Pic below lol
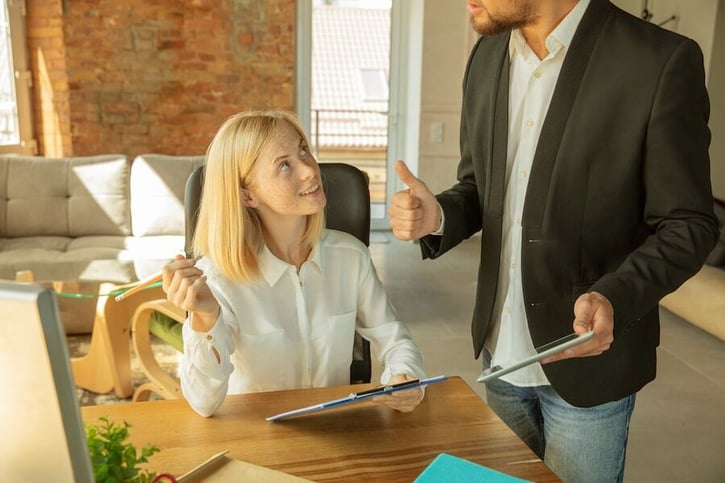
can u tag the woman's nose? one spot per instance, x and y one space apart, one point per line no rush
308 167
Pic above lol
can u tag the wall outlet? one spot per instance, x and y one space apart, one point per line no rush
436 134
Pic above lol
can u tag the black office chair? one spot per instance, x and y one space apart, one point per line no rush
348 209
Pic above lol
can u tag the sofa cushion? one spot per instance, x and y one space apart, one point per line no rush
150 253
119 259
701 300
157 188
56 258
77 196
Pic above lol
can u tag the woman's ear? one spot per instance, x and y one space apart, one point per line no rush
248 198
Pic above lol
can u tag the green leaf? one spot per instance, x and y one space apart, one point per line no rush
115 460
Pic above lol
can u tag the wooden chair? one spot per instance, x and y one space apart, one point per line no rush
106 366
348 209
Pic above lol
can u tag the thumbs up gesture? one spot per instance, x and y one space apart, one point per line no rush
414 212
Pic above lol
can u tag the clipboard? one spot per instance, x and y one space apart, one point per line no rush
542 352
358 396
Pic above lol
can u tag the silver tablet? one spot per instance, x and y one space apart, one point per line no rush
546 350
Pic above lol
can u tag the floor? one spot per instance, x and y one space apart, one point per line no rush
678 428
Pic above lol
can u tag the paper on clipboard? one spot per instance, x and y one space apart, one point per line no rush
547 350
358 396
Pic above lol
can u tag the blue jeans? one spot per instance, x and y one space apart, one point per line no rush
580 445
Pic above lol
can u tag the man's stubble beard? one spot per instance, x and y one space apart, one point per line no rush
522 15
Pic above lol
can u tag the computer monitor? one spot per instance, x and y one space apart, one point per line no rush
41 432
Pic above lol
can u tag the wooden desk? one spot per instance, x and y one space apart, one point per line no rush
359 442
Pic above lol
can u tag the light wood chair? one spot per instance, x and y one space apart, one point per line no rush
106 366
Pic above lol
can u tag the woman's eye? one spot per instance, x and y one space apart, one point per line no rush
284 166
303 152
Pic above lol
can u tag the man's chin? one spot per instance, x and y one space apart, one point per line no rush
488 27
485 27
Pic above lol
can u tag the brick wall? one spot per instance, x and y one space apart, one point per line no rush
139 76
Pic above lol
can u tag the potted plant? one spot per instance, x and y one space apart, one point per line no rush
114 459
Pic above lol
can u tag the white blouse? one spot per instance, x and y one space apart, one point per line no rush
291 330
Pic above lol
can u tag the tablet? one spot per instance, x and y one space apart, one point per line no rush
546 350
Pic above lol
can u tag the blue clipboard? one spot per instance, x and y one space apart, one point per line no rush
358 396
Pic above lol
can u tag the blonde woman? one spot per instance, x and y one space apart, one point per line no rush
274 298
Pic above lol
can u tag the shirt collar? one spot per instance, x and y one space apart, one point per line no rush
272 268
560 37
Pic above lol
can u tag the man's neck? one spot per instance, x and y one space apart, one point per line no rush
551 13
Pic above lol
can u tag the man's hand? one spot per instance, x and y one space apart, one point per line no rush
592 312
404 401
414 213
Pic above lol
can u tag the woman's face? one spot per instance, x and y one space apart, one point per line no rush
285 180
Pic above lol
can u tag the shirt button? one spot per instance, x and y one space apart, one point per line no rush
529 123
537 74
209 337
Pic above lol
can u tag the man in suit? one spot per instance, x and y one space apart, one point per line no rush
584 161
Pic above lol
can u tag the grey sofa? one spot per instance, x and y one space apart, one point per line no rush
93 218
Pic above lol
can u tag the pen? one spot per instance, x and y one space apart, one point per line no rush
387 388
401 386
140 286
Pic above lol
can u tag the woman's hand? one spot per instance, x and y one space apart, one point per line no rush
185 286
404 401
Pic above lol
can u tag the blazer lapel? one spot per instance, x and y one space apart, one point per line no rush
499 149
562 100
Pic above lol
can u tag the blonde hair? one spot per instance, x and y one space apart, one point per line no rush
228 232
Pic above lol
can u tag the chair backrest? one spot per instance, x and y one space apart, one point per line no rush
348 210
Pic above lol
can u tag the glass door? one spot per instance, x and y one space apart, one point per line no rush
352 88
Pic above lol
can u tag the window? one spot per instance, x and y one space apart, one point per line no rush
375 85
15 82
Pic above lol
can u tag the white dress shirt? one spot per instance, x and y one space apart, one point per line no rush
532 81
292 330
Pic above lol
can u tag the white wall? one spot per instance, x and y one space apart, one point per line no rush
446 44
694 19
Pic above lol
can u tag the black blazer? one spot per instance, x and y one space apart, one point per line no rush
619 198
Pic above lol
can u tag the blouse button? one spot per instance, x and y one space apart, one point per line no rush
209 337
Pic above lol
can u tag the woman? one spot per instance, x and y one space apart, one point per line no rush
274 298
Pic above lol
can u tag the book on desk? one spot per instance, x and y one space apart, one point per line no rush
446 467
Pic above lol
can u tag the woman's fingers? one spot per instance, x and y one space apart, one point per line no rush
403 401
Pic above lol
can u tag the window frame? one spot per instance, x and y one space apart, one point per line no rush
23 80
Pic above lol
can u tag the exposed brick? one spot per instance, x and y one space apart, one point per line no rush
139 76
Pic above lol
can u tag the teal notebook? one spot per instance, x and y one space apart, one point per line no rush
446 468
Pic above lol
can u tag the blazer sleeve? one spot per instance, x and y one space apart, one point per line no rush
676 189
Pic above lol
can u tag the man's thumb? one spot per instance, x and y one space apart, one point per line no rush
406 176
